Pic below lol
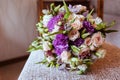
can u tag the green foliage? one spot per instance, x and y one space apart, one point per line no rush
85 35
67 10
101 26
88 16
35 45
75 49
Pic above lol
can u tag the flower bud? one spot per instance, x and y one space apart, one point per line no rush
65 55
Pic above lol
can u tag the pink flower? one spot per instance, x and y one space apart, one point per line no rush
88 41
77 24
73 35
97 39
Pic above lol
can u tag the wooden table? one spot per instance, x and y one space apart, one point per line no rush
104 69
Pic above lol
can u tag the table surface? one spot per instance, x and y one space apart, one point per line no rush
104 69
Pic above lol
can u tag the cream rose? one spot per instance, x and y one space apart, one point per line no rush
65 56
88 41
77 24
73 35
97 39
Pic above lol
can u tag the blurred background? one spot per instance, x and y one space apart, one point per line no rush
17 29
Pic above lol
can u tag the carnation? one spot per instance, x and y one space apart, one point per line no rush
87 25
53 21
60 43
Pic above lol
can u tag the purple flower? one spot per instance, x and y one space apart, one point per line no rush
78 42
73 9
77 8
60 43
85 14
87 25
54 21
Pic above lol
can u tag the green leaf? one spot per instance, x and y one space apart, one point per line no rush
35 45
32 48
67 10
72 20
44 61
85 35
88 16
83 31
110 31
74 59
75 49
80 72
39 24
101 26
48 65
59 32
111 24
57 65
52 8
57 8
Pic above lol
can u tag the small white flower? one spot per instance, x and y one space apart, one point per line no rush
98 20
50 58
56 29
82 67
73 35
46 45
65 55
46 19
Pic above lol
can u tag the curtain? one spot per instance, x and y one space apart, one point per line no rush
17 27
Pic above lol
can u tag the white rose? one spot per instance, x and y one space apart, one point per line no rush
98 20
82 67
46 45
65 55
46 19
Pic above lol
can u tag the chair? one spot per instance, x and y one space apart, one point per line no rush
100 7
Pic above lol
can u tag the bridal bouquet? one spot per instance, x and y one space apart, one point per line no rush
70 37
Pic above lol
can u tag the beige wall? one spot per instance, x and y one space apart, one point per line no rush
17 27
